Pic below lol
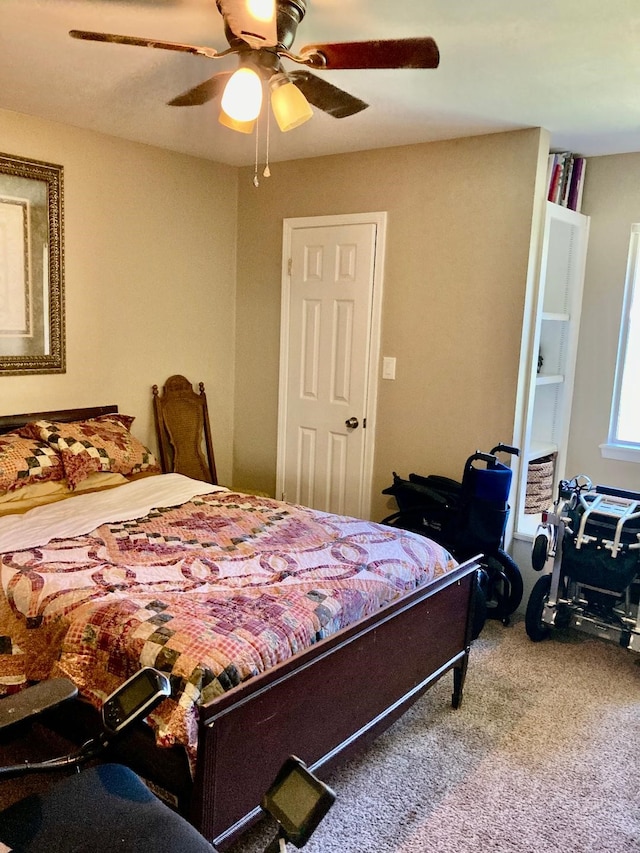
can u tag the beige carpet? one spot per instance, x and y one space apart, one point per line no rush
543 755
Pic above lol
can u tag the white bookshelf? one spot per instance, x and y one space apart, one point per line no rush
555 324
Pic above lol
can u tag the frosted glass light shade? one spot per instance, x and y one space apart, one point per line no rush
242 96
240 126
289 105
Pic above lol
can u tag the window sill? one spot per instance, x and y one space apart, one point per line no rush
621 452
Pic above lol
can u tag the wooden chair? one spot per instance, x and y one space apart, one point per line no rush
183 430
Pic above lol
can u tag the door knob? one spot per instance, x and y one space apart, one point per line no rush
352 423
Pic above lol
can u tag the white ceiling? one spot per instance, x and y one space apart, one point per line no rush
571 66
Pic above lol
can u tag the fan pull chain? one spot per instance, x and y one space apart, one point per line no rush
267 170
256 180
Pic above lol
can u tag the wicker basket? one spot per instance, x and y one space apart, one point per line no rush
539 494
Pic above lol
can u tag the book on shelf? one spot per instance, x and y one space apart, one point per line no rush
565 179
577 184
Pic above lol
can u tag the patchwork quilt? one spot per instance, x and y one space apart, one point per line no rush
212 591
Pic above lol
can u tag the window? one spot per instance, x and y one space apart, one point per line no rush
624 428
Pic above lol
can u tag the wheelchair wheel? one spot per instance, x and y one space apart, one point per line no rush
504 586
539 552
536 629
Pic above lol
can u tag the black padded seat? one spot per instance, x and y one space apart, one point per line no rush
106 808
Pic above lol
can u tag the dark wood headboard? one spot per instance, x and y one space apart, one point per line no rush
11 422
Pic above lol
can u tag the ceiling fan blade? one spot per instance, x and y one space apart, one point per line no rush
253 21
326 96
387 53
209 52
203 92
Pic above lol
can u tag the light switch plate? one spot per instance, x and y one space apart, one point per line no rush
388 368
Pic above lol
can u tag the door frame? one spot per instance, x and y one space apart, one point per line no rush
379 219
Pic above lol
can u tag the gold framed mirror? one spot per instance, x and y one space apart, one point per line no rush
32 328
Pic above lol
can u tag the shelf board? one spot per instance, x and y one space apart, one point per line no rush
538 449
549 379
555 316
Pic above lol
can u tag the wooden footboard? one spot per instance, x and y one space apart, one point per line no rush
328 701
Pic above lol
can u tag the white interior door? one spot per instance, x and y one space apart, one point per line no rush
329 354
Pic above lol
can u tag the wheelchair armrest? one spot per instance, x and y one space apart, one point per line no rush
34 700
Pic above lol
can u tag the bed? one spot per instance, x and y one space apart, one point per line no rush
340 624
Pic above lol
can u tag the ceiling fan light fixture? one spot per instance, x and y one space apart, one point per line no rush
242 96
289 105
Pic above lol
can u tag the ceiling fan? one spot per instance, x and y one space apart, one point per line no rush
261 33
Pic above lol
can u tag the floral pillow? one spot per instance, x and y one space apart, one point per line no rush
27 460
99 444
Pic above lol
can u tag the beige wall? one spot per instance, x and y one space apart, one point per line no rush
150 276
612 200
458 237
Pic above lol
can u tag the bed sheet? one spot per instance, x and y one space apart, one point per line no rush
212 589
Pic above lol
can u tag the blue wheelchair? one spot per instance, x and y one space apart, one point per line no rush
469 518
